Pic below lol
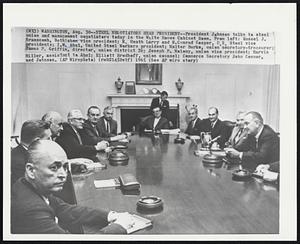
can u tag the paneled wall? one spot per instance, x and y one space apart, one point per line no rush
37 88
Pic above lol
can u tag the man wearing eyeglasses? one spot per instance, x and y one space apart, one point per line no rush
34 208
71 141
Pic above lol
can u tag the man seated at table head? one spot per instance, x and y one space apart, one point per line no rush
70 139
56 123
194 126
266 150
215 126
239 138
34 208
155 122
30 131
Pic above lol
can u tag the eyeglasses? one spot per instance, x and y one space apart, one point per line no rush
81 119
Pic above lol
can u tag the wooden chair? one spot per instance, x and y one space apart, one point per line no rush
68 195
14 141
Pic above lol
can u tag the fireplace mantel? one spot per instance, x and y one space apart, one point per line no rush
122 101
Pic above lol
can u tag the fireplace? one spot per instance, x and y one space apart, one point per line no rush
129 108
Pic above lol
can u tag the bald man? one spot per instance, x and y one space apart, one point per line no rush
31 130
70 139
266 150
34 209
215 126
239 138
56 123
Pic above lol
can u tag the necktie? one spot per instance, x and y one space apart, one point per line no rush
212 125
238 135
107 126
256 144
96 131
78 136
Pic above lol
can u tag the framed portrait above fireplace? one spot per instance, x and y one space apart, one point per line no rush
148 74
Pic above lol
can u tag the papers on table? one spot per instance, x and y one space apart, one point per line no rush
139 224
96 166
106 183
170 131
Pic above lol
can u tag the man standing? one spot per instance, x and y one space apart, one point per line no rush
106 125
56 123
31 130
34 208
70 139
266 143
239 138
155 122
161 102
215 126
194 126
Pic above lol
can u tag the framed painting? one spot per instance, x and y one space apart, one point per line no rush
148 74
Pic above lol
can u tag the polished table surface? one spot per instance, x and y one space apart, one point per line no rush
197 199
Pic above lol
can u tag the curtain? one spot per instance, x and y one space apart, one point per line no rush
273 97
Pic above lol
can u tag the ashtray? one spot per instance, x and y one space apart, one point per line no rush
149 203
211 159
241 174
120 147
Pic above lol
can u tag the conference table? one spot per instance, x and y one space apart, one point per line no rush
196 199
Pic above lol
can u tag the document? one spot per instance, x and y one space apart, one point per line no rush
106 183
170 131
139 224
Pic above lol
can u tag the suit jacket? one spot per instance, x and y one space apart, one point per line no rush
163 123
196 129
102 128
164 108
30 214
267 150
218 130
68 140
89 135
18 160
243 143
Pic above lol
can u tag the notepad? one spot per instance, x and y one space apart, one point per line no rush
106 183
170 132
139 224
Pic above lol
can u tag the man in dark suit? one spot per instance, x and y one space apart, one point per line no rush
92 132
161 102
239 138
215 126
31 130
194 126
155 122
34 208
266 149
70 139
106 125
56 123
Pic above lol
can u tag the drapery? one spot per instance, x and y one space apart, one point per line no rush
273 97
